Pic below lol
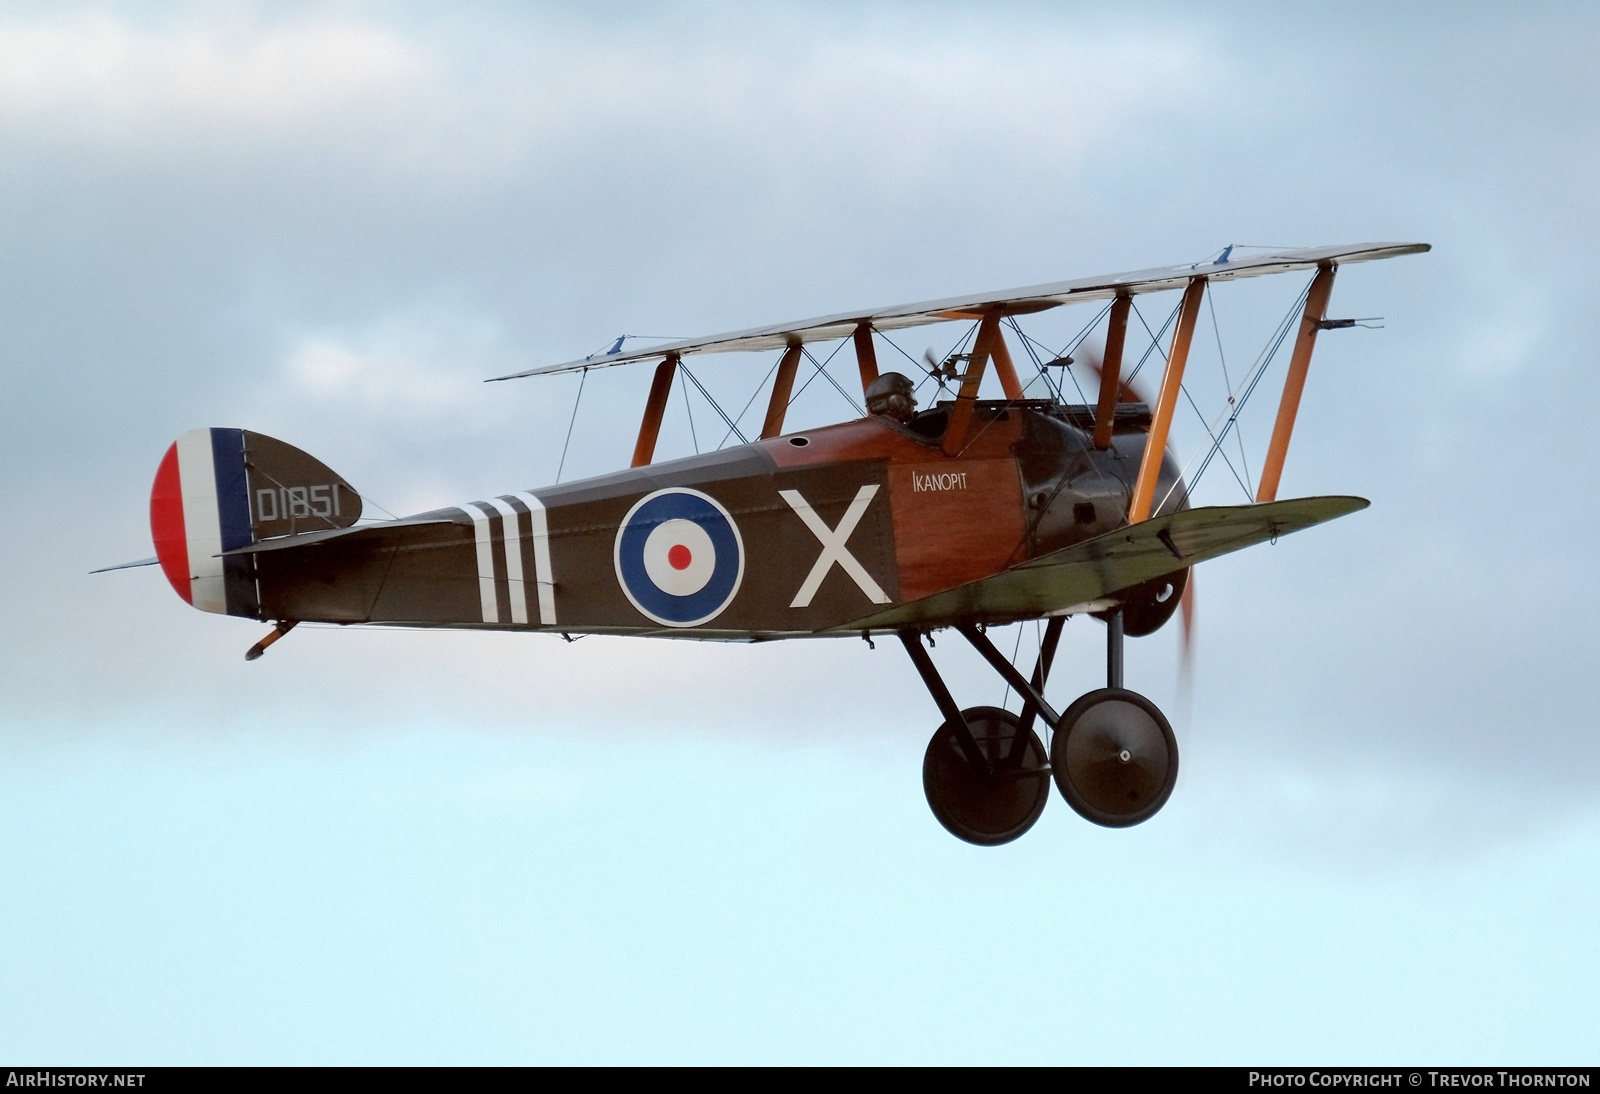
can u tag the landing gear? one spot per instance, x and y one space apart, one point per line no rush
1113 755
984 772
994 803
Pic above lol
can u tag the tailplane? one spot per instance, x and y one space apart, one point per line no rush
221 489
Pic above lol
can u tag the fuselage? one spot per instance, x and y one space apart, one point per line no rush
805 534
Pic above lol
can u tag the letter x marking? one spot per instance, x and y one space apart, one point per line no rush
833 546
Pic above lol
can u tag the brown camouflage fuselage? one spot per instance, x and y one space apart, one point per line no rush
1027 483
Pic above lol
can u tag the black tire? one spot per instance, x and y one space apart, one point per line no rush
1114 758
986 809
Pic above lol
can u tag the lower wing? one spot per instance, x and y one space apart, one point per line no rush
1100 567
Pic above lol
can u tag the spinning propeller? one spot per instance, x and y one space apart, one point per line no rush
952 368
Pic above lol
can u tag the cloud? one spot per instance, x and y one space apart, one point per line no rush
393 372
331 223
97 76
448 108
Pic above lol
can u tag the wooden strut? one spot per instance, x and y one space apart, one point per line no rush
955 434
866 355
654 408
1005 369
782 385
1111 371
1155 447
1294 384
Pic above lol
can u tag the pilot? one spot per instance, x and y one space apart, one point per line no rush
892 396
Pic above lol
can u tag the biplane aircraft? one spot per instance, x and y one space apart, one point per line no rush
968 514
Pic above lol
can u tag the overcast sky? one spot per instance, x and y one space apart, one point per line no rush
330 222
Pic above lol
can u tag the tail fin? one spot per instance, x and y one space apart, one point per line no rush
220 489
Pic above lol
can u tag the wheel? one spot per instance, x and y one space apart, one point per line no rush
993 808
1114 757
1147 606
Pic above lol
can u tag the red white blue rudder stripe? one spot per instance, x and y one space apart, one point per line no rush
679 557
199 508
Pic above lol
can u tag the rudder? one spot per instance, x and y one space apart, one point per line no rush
217 490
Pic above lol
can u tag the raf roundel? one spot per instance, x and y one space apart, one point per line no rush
679 557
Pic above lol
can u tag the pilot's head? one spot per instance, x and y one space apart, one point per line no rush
892 396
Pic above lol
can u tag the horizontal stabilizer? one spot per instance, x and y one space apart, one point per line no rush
307 539
1033 298
1116 561
126 565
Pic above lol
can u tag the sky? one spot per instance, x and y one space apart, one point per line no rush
330 222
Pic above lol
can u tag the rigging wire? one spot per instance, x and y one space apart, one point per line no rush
689 410
1033 346
752 399
1014 652
1214 441
1084 333
828 376
1066 350
807 354
583 378
1252 378
714 406
1227 382
1027 344
917 364
1155 339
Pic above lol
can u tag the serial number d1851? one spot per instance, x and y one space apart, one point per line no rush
296 502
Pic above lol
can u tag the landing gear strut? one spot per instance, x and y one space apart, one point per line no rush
984 772
1113 754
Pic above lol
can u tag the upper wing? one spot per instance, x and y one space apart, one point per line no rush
1011 301
1117 560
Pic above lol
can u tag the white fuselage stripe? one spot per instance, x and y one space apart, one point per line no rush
479 512
544 577
513 547
202 527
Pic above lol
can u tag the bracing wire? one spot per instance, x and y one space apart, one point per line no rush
689 410
1263 362
1084 333
751 400
918 365
1155 338
822 370
1227 381
583 378
1014 652
1252 378
915 363
1207 427
814 372
1027 344
714 405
